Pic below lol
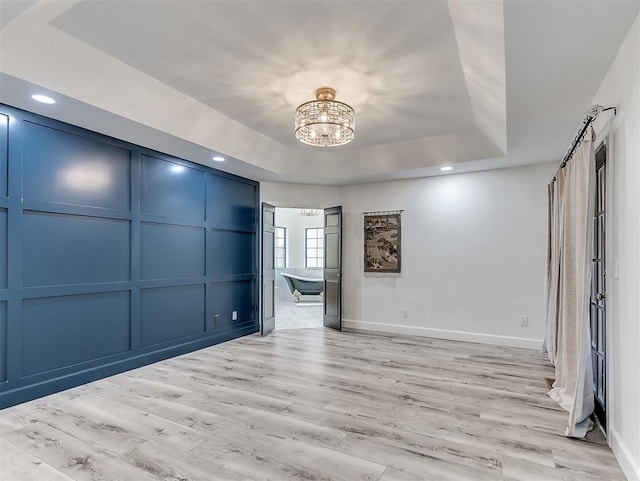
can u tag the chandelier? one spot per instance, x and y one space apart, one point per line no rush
304 212
325 122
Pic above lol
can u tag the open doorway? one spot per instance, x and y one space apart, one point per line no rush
298 262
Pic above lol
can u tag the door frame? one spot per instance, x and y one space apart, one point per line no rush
598 288
261 265
611 266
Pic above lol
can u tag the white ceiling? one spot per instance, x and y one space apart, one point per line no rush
480 84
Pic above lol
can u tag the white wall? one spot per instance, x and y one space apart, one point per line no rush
299 195
473 253
621 88
473 256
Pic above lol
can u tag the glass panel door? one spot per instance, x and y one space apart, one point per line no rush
598 310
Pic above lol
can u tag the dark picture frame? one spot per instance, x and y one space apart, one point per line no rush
382 236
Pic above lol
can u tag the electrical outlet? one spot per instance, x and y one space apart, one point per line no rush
405 312
234 316
524 321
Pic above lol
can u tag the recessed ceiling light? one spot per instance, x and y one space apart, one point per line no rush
446 168
217 158
43 99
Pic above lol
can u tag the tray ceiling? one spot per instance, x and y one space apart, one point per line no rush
433 82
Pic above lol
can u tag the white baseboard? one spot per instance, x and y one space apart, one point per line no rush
629 466
524 342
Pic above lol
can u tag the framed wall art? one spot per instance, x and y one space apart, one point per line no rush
382 241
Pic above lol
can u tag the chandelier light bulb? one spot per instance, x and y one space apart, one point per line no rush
324 113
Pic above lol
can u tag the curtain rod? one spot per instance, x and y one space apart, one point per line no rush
591 116
384 212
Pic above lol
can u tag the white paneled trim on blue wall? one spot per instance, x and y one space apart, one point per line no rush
113 256
4 253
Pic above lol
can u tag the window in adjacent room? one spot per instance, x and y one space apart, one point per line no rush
314 247
281 248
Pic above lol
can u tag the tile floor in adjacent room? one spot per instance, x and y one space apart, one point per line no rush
306 313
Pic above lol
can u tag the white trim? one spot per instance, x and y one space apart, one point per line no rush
524 342
602 127
629 466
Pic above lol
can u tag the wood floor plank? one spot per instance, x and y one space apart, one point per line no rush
272 422
169 464
13 419
101 434
73 457
601 462
16 463
305 460
311 404
128 395
146 425
454 430
416 462
395 475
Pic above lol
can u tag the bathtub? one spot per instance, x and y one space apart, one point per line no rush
303 286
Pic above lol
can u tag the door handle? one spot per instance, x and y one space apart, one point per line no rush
600 296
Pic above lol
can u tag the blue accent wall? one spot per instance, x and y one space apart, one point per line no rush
3 248
66 331
113 256
63 249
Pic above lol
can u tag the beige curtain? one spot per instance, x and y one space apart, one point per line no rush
553 271
573 387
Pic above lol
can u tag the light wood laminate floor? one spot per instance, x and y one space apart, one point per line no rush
308 404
